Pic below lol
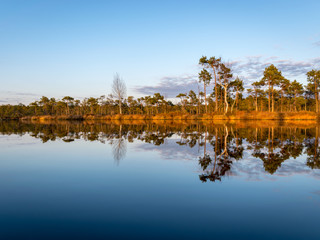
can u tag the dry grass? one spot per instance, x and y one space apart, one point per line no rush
301 116
47 118
179 116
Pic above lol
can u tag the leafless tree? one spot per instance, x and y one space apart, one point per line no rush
119 90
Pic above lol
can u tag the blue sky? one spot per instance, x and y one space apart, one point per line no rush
57 48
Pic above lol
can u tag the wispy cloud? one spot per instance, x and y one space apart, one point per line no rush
20 93
171 86
12 97
317 44
250 69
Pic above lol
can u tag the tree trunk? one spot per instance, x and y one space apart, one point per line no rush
225 98
215 89
295 102
272 100
235 101
316 95
256 102
205 96
221 99
305 105
68 111
269 97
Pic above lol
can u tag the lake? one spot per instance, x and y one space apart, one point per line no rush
147 180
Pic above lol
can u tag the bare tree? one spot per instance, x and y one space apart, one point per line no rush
119 90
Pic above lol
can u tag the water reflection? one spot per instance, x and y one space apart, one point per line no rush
219 145
225 151
119 149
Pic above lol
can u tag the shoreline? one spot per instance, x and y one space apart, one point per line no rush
176 123
278 116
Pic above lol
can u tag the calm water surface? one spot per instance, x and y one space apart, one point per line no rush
159 181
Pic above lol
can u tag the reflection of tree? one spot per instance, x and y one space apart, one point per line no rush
271 160
224 153
275 149
292 148
220 167
119 149
67 139
273 145
314 161
312 150
119 146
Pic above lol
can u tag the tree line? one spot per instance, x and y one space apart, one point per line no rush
272 93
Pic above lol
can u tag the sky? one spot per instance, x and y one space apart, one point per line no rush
73 47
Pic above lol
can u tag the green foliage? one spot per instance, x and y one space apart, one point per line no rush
313 77
205 77
272 76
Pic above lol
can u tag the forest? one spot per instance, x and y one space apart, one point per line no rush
273 93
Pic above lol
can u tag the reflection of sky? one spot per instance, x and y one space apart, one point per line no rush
78 189
14 140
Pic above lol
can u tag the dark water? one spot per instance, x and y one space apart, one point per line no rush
159 181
